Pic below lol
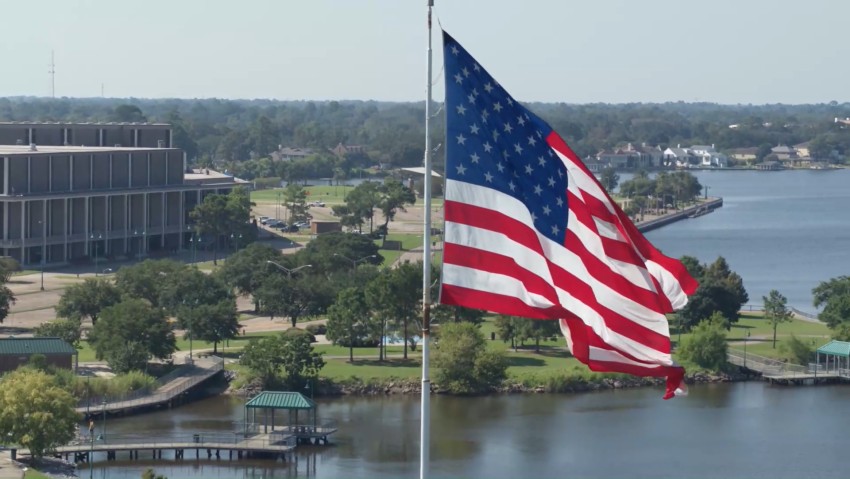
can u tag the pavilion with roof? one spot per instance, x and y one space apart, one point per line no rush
300 414
836 357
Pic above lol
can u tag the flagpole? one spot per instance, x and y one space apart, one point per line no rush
425 414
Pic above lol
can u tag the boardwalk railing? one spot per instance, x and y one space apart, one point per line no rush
169 386
325 428
767 366
202 439
804 314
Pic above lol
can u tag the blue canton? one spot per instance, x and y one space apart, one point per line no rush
495 142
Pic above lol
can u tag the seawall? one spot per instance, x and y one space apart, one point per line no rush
650 225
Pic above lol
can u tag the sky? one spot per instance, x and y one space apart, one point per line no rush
611 51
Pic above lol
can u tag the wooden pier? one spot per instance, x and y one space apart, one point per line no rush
780 372
170 388
276 445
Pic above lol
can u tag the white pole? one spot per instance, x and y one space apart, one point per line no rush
425 414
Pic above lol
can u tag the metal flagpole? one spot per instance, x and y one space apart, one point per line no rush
425 414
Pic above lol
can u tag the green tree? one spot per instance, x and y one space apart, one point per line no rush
293 297
7 299
264 357
334 252
542 329
132 327
295 199
707 346
393 197
395 295
299 362
776 311
797 351
129 114
710 298
834 297
246 269
66 329
87 299
609 179
262 137
148 280
720 272
513 329
360 205
463 363
8 266
694 267
763 151
224 215
35 412
350 321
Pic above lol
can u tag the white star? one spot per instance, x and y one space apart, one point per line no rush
471 98
465 72
510 102
497 107
475 92
528 169
476 67
488 177
484 115
461 169
551 181
474 129
458 78
500 167
520 120
559 201
533 216
474 157
454 50
546 210
518 148
531 140
487 147
511 185
541 161
538 190
488 87
495 134
505 154
527 117
508 128
461 109
560 174
555 230
551 153
539 135
461 140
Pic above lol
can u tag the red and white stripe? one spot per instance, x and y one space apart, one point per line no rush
608 286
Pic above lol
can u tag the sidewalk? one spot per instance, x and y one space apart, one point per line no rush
9 470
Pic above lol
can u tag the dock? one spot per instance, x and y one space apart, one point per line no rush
169 388
780 372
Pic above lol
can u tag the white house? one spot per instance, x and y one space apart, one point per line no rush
680 157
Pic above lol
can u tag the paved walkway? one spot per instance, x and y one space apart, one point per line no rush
8 470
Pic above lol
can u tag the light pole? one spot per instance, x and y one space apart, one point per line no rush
706 191
745 349
194 241
41 256
288 271
103 429
94 240
355 261
141 243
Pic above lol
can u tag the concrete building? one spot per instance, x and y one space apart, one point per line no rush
145 135
63 204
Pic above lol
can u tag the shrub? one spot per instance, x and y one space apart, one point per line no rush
316 329
797 351
295 332
464 365
707 346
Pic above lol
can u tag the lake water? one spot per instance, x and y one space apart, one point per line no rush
745 430
784 230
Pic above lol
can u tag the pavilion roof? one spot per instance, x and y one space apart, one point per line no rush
836 348
280 400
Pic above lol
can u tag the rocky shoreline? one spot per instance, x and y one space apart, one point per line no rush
390 387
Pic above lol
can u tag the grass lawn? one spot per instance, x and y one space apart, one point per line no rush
390 257
757 326
330 195
33 474
332 350
372 368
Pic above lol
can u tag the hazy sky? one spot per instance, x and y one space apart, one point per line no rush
726 51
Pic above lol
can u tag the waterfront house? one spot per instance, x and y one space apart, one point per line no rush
746 155
784 153
679 157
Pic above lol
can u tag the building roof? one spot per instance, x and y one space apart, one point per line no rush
280 400
744 151
836 348
782 149
679 152
421 170
8 150
18 346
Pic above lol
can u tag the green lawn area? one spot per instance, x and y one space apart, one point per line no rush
330 195
757 326
372 369
33 474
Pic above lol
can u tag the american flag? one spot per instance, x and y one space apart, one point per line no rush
530 232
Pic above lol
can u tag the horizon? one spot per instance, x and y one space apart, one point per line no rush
614 52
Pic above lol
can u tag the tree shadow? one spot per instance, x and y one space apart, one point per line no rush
741 326
11 330
392 363
523 361
20 281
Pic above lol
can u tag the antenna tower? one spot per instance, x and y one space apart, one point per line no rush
52 73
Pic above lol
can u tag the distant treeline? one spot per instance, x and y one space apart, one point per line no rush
229 132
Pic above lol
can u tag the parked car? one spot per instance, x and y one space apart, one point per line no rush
293 228
274 223
264 220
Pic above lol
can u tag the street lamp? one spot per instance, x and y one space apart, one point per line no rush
94 246
141 243
706 191
41 256
288 271
355 261
194 241
745 349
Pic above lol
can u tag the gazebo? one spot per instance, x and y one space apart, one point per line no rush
837 356
293 402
